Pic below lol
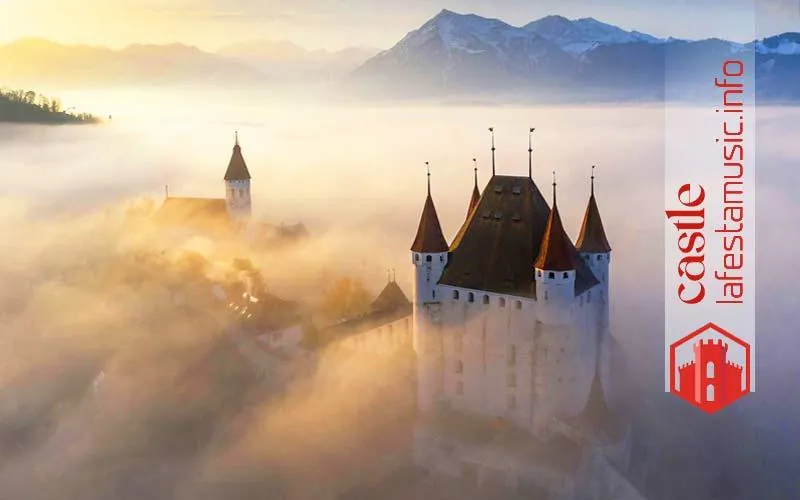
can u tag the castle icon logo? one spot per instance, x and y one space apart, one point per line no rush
710 368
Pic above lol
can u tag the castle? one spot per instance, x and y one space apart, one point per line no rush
228 216
511 330
710 380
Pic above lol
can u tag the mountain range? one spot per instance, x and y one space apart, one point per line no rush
557 58
33 62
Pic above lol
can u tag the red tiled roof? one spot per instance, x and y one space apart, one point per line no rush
592 237
429 234
554 254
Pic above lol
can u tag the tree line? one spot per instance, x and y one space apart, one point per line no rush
27 106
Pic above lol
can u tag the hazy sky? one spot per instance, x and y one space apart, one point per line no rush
380 23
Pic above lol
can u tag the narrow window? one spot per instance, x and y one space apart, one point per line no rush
710 369
540 274
599 257
512 355
470 297
416 257
502 302
434 294
710 393
518 304
566 275
441 258
485 299
545 295
429 258
455 294
459 367
551 275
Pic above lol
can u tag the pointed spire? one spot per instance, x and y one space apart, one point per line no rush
554 254
429 237
166 190
476 193
237 168
491 129
394 276
592 237
530 152
428 166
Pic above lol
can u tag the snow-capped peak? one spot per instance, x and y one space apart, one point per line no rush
785 44
580 35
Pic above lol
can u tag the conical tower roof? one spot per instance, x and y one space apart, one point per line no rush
554 253
592 237
390 297
237 168
476 195
429 234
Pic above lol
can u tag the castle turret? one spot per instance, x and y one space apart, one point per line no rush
428 253
237 186
592 242
554 269
429 256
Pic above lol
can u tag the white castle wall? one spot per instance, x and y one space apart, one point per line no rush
493 355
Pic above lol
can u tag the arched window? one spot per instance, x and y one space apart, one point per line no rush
502 302
455 294
710 369
518 304
470 297
709 393
429 258
599 257
485 299
434 294
416 257
551 275
441 258
566 275
540 274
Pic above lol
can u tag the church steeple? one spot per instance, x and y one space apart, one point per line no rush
237 185
429 233
554 254
592 237
237 168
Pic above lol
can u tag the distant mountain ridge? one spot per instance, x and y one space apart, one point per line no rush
42 62
464 54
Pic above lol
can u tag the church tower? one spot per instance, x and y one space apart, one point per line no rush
237 186
429 256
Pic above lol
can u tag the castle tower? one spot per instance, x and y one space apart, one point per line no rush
596 252
429 257
237 186
554 270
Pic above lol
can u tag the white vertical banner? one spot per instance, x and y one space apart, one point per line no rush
709 244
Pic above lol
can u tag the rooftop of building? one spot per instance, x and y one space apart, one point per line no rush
502 239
